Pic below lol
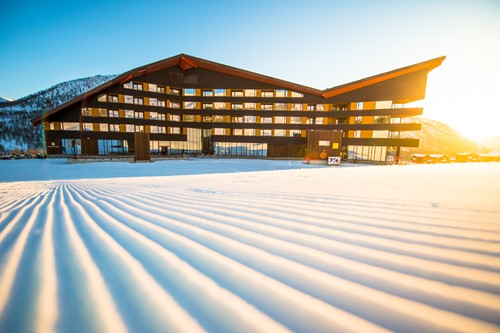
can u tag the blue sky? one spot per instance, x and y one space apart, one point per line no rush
315 43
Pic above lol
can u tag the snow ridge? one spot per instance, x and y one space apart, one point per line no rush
190 254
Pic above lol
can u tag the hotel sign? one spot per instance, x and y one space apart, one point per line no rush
333 160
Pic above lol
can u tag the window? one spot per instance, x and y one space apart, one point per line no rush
279 120
220 92
379 134
237 131
175 130
279 132
280 106
103 127
137 86
249 132
296 94
161 116
87 112
138 100
152 87
237 119
138 115
113 98
359 106
358 120
139 128
129 113
175 91
219 105
296 107
160 89
189 118
250 119
320 107
162 129
71 126
102 112
102 98
250 92
295 132
153 101
266 132
52 126
219 131
357 134
319 120
237 106
113 114
267 93
324 143
207 92
161 103
207 106
129 128
266 107
295 120
266 120
219 119
311 107
250 106
280 93
237 93
114 127
175 117
207 119
189 92
310 121
153 129
383 105
129 99
127 85
175 105
189 105
88 127
153 115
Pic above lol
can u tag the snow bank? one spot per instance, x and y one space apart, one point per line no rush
365 249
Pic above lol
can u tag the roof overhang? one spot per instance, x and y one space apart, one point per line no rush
342 89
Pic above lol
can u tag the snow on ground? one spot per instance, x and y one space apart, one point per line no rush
366 249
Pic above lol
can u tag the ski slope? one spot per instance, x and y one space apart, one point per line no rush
371 249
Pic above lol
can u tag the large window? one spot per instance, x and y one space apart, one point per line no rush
129 113
175 91
189 118
138 115
103 127
266 107
175 105
207 106
175 117
250 119
267 93
237 93
113 114
280 93
237 131
279 120
296 107
280 106
296 94
266 120
102 112
220 92
138 100
129 99
240 149
189 92
153 115
295 132
153 101
219 119
139 128
129 128
88 126
114 127
266 132
70 126
175 130
250 92
249 132
109 147
295 120
219 105
236 119
219 131
250 106
237 106
87 112
207 93
279 132
190 105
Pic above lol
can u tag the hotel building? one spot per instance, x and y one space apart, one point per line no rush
189 105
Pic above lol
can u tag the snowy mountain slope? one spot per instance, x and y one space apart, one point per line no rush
438 138
4 100
16 130
255 252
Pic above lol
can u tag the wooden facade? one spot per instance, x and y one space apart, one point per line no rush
191 105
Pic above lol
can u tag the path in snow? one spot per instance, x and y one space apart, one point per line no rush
410 249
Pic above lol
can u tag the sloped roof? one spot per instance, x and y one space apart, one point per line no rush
186 62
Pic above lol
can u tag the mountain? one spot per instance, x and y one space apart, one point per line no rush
492 143
438 138
16 130
4 100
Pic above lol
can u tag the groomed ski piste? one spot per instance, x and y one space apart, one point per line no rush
332 249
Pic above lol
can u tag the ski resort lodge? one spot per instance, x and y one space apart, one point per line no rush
188 105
